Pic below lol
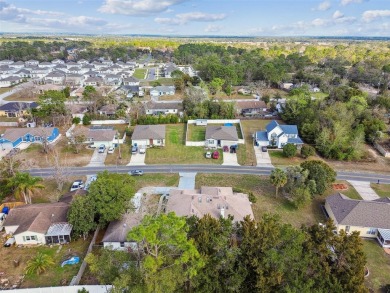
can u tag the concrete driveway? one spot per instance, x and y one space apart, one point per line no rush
230 159
97 159
364 189
262 158
137 159
187 180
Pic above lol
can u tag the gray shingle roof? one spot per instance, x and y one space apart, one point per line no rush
164 106
221 132
149 132
362 213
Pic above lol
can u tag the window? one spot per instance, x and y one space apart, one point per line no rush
122 244
371 231
158 141
347 228
30 238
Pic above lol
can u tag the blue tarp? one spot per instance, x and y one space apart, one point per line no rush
228 124
72 261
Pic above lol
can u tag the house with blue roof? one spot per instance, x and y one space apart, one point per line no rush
278 135
13 137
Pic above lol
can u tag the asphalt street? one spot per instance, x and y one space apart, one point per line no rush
341 175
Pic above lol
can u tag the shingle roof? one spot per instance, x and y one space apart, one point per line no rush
289 129
261 136
362 213
271 125
117 230
12 134
149 132
37 217
17 106
221 132
294 140
250 105
164 106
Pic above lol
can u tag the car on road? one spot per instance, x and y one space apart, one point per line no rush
9 242
136 173
77 185
264 149
102 148
208 155
134 149
110 150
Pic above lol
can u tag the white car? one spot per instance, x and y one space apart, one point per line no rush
208 155
102 149
110 150
78 184
142 150
89 181
9 242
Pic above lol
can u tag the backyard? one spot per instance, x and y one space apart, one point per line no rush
175 151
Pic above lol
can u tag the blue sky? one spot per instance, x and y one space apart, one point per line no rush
199 17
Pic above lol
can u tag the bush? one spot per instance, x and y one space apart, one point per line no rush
76 120
307 151
289 150
86 120
252 198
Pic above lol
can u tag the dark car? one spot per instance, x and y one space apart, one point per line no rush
233 149
264 149
136 173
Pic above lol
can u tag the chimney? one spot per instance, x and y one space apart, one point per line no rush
222 213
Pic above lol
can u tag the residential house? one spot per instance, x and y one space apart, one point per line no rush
58 61
97 135
10 81
220 136
17 65
157 108
44 223
74 79
169 68
371 218
55 77
149 135
187 69
13 137
77 110
162 91
6 62
82 61
31 63
46 65
108 110
112 79
130 90
131 81
278 135
16 109
23 73
94 81
251 108
214 201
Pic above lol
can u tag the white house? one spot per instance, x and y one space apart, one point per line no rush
155 108
162 91
131 81
31 63
278 135
97 135
220 136
10 81
57 77
149 135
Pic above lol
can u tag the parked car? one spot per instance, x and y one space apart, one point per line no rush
264 149
89 181
216 155
136 173
9 242
134 149
142 150
102 148
225 148
208 155
110 150
77 185
233 149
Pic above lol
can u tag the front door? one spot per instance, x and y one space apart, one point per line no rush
151 141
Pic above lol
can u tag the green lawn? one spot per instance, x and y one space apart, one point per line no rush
140 73
157 179
8 119
196 133
4 90
279 160
175 151
350 192
378 263
383 190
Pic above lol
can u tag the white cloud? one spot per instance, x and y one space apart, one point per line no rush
184 18
337 14
371 15
212 28
323 6
347 2
137 7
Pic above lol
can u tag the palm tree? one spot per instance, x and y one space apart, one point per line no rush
39 263
278 179
24 185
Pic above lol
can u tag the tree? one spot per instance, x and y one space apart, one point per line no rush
25 185
167 259
39 263
278 179
321 173
266 99
51 104
77 139
76 120
289 150
9 166
307 151
81 216
215 85
111 194
61 172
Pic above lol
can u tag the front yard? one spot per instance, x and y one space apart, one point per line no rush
175 151
383 190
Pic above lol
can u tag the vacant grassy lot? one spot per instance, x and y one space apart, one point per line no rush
161 80
54 276
378 263
266 200
383 190
157 179
196 133
140 73
278 159
175 151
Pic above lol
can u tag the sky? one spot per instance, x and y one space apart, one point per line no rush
198 17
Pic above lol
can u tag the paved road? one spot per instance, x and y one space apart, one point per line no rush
14 90
356 176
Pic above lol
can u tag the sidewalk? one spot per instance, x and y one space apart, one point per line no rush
364 189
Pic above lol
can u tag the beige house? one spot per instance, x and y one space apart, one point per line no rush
370 218
215 201
149 135
97 135
220 136
44 223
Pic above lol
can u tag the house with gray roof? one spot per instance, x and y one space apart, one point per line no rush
16 109
162 91
149 135
157 108
219 136
370 218
278 135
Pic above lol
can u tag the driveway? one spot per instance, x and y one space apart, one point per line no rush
230 159
187 180
262 158
97 159
137 159
364 189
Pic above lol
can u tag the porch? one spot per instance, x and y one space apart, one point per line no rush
58 233
383 237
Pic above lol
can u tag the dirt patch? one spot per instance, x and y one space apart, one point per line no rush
340 186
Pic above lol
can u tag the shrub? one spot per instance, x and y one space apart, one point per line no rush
307 151
39 264
76 120
252 198
289 150
86 120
